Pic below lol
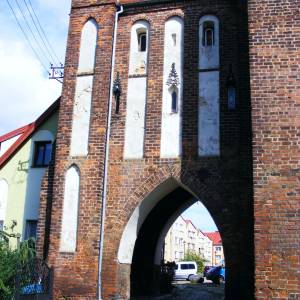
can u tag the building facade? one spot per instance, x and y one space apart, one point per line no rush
174 247
218 252
25 153
184 237
165 102
205 248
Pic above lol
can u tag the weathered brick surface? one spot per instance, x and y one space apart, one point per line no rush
275 89
76 274
222 183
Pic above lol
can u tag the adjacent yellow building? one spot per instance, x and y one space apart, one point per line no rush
25 154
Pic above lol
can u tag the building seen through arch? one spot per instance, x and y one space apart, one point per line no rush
184 237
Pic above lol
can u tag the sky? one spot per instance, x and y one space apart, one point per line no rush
200 216
26 91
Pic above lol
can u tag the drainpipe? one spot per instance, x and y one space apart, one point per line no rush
104 195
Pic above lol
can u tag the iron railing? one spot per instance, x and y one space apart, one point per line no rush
34 277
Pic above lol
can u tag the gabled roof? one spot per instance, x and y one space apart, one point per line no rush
190 222
25 133
215 237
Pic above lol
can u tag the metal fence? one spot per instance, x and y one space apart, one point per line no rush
33 278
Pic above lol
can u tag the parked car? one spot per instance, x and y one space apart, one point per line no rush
216 274
206 268
185 269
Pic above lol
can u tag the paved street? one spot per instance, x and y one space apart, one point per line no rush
188 291
205 291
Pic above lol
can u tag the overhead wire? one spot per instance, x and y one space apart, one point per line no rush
26 37
33 34
39 32
43 32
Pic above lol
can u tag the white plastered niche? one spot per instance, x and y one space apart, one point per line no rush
172 83
138 59
88 45
84 90
209 57
68 237
209 87
136 92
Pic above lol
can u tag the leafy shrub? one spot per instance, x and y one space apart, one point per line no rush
11 262
191 255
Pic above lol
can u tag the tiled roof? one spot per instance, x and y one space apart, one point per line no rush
215 237
190 222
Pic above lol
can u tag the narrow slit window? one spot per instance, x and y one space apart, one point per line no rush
208 34
174 38
174 107
142 39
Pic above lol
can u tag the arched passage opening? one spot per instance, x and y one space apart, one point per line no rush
143 238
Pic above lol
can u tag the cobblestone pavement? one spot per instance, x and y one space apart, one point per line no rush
189 291
205 291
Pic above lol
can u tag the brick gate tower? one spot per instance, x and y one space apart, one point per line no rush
155 115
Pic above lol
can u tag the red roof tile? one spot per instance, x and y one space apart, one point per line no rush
215 237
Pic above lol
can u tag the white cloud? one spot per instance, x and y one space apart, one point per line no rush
58 9
25 90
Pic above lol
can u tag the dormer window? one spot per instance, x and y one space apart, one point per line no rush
142 41
208 34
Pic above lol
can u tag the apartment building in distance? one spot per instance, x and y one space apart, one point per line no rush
184 236
217 253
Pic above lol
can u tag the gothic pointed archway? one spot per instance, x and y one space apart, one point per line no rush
143 235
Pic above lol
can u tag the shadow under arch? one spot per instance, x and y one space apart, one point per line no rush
145 231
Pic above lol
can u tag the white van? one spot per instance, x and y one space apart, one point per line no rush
184 269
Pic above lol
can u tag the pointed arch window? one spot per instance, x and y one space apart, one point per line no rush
208 34
174 103
142 41
173 83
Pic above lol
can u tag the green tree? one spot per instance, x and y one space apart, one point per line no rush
191 255
11 262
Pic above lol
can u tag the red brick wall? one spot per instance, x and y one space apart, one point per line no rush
222 183
76 274
275 92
